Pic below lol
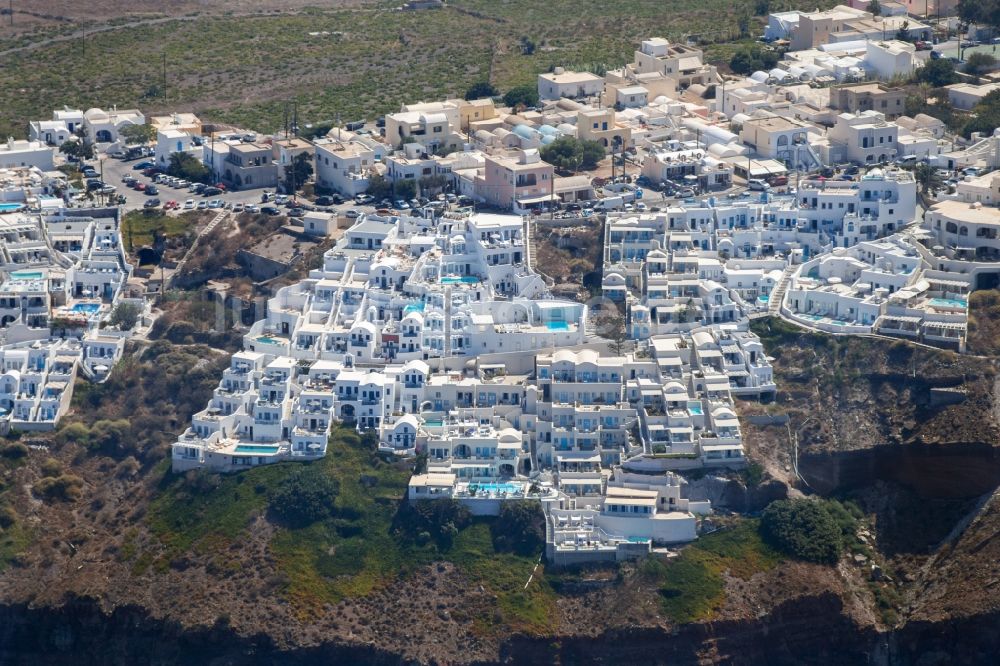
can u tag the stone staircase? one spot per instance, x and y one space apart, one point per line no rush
778 295
220 216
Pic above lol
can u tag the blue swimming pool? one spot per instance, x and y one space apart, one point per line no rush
465 279
497 487
413 307
557 325
638 539
433 422
764 298
86 308
10 207
266 340
252 448
26 275
695 408
949 303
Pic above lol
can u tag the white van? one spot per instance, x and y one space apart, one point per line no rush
757 185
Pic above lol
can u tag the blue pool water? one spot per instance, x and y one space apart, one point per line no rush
557 325
88 308
638 539
695 408
266 340
433 422
413 307
26 275
465 279
949 302
250 448
497 487
763 298
10 207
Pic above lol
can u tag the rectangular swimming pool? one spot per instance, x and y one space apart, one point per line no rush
497 487
465 279
10 207
26 275
695 408
87 308
557 325
949 303
433 422
251 448
267 341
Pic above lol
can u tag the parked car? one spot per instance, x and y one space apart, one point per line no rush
270 210
108 189
281 199
202 205
399 204
324 201
297 212
252 208
216 203
151 203
152 190
139 166
352 213
198 188
779 181
211 192
757 185
189 204
139 186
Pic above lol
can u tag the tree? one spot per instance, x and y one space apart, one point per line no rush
304 497
874 8
432 184
188 167
751 58
81 149
903 34
527 46
125 316
481 89
521 96
137 134
981 12
928 178
298 172
985 115
406 188
520 528
379 187
979 63
803 528
570 154
610 324
937 73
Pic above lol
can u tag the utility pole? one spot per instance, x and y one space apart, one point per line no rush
164 76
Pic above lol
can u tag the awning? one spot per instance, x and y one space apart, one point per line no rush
910 320
948 325
535 200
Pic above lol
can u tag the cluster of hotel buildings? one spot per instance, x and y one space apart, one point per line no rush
438 333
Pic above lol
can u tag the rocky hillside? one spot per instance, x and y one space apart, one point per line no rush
104 549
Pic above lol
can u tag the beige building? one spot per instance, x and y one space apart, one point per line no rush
516 183
560 83
600 125
182 122
684 64
869 97
779 138
475 111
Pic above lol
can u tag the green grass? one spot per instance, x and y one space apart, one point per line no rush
373 60
141 226
350 555
13 541
692 586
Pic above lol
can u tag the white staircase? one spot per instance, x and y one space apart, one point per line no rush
778 295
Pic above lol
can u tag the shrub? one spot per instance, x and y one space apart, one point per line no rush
14 450
751 58
125 316
74 432
937 73
520 528
304 497
480 89
442 519
812 530
526 95
51 467
7 517
67 487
